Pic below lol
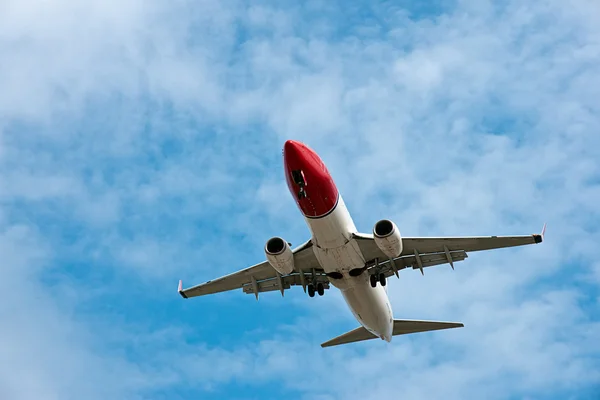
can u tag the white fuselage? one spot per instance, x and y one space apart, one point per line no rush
336 250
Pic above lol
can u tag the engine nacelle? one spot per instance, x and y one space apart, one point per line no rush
280 255
387 238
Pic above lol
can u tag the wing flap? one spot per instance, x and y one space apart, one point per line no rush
427 260
430 260
401 327
288 281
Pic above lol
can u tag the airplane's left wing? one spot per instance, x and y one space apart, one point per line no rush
421 252
262 277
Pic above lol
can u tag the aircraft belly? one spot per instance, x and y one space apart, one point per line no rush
370 306
333 230
341 259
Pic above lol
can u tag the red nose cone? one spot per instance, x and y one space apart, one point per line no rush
308 180
291 146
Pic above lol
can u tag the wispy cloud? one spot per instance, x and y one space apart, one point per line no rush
140 143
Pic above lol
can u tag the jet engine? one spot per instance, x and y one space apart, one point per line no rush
280 255
387 238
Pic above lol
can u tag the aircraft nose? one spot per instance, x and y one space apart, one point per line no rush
308 179
291 148
295 155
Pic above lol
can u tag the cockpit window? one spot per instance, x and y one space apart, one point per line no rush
298 177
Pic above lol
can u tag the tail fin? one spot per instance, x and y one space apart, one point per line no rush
401 327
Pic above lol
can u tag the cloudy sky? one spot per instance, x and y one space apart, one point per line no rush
140 144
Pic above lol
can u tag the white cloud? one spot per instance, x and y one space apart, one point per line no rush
45 352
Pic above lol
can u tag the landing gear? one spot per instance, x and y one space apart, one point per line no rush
320 289
377 278
382 279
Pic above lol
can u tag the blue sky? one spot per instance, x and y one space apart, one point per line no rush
140 144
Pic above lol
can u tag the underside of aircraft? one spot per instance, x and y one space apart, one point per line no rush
358 264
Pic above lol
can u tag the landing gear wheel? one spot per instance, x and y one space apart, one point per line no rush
320 289
382 279
311 290
373 279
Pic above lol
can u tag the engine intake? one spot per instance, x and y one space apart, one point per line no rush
387 238
383 228
275 245
280 255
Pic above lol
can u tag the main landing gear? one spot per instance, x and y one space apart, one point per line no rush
311 289
374 278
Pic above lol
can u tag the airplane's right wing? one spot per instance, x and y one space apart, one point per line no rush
262 277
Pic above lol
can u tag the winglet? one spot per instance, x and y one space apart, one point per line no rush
543 231
180 290
540 237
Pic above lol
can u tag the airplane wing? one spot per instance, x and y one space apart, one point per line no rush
262 277
421 252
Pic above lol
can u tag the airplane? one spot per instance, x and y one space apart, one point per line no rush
357 264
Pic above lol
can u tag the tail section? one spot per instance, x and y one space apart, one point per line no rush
401 327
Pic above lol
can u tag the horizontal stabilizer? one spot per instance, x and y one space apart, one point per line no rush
401 327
